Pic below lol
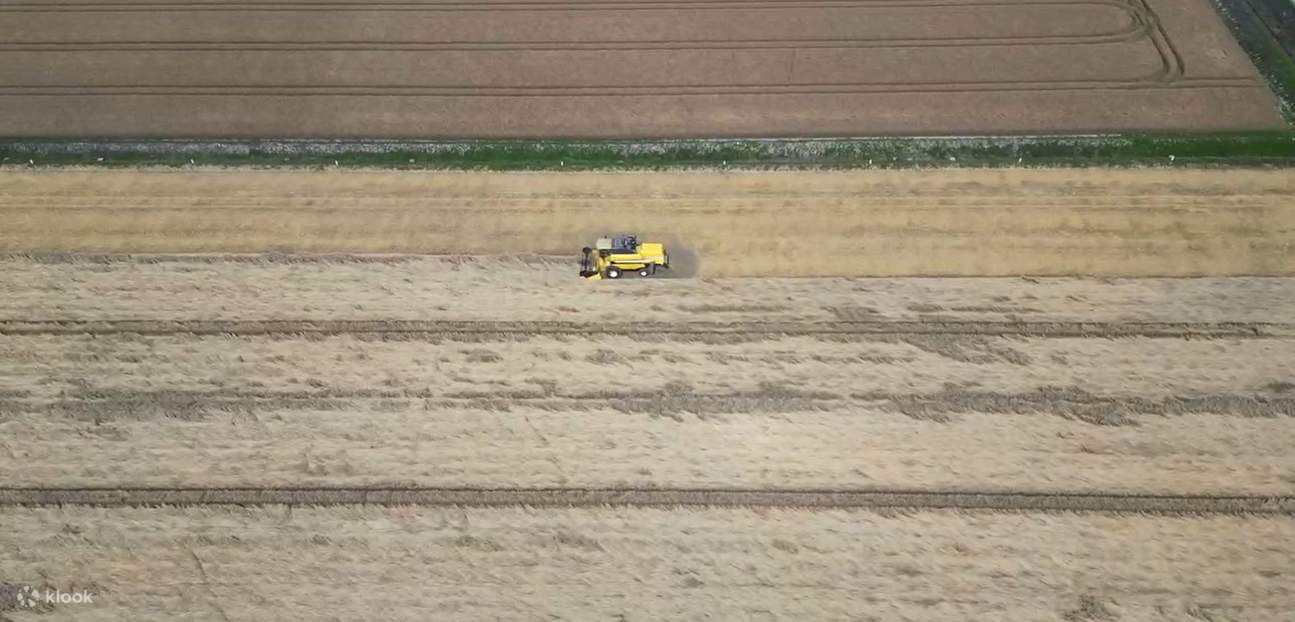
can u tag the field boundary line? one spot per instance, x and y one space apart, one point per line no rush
598 46
654 497
520 5
1056 329
1155 82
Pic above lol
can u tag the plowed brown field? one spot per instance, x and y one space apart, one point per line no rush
600 68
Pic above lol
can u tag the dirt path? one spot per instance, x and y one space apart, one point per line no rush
948 222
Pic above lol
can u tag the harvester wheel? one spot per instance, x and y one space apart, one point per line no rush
613 273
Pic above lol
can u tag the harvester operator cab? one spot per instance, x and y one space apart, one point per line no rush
617 244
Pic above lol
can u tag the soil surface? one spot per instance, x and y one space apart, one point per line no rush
620 68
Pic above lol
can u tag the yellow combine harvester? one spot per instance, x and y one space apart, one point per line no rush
613 256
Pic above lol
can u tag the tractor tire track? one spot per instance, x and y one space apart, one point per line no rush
660 497
450 328
1067 402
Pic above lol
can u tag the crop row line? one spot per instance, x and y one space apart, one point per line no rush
1053 329
653 497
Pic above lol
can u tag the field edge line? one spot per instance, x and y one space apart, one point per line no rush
653 497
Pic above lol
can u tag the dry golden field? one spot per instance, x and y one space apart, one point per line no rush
202 371
220 432
858 223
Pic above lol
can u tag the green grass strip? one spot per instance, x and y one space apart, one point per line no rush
1269 148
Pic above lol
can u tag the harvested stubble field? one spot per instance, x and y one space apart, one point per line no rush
266 371
621 68
829 448
409 563
753 223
